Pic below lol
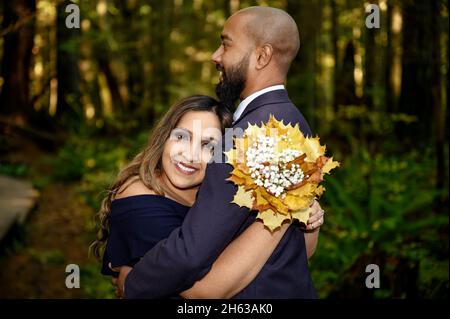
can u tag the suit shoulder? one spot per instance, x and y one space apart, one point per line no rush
286 112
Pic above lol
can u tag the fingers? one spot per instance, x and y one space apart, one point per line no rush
316 216
114 281
315 224
115 269
314 204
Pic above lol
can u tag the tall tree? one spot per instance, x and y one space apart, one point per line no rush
160 29
133 59
334 40
19 29
68 108
389 60
438 110
302 79
369 66
346 88
416 93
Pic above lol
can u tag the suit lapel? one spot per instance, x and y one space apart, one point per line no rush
272 97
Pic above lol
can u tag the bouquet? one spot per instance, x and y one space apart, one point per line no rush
278 171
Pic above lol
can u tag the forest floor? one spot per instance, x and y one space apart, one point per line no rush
33 260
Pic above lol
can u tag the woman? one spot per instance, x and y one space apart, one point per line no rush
152 194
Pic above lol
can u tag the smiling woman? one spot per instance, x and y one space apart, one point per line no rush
173 163
187 152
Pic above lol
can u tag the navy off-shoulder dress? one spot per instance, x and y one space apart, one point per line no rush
137 223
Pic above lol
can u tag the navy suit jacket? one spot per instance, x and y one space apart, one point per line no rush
177 262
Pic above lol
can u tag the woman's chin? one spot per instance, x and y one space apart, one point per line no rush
186 184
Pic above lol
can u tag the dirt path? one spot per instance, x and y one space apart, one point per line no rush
55 236
57 233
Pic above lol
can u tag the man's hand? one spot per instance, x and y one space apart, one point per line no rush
119 282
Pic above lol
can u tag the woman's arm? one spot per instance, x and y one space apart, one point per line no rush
238 264
312 228
311 239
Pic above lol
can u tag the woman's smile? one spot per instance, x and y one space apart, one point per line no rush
185 168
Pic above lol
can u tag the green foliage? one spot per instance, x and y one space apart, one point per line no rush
13 169
47 257
95 285
381 205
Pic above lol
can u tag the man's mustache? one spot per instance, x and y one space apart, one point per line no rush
220 68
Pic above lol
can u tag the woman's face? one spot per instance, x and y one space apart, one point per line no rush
189 148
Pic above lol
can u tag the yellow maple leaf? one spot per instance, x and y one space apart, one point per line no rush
271 219
260 201
243 198
231 156
319 191
302 215
248 180
329 165
304 190
312 148
297 203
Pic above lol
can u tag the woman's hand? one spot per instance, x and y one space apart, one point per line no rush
316 217
119 282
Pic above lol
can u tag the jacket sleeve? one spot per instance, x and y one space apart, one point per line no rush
176 263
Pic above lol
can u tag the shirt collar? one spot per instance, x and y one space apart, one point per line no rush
241 107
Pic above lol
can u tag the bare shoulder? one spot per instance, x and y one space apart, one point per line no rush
133 187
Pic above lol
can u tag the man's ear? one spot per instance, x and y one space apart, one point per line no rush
264 55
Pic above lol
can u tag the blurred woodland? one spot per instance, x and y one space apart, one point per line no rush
76 104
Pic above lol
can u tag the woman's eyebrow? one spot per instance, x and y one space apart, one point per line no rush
183 129
209 139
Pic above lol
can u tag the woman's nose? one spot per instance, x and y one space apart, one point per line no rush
193 153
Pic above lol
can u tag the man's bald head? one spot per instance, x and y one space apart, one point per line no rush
273 26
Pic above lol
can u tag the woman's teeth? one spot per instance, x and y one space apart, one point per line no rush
185 169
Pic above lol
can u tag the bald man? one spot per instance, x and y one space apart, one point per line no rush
257 48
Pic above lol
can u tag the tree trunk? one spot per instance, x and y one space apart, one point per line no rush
389 62
334 39
68 107
369 67
301 84
17 54
346 89
135 80
161 25
438 110
416 94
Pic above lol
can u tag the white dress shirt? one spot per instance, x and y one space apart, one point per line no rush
242 106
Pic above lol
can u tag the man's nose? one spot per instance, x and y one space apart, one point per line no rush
217 55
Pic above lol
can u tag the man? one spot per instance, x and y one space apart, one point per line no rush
258 46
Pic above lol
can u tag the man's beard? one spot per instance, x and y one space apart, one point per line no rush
229 90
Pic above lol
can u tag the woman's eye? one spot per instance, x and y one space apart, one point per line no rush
180 136
209 146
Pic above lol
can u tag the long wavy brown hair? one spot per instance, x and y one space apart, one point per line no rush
147 164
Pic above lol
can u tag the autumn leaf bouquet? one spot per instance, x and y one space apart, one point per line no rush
278 171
